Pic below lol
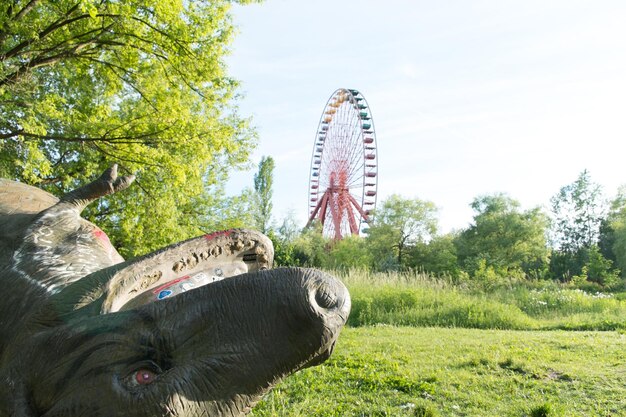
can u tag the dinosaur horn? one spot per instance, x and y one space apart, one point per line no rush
108 183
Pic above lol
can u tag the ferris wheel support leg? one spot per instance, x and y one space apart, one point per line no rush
324 207
335 214
320 205
353 227
312 216
359 209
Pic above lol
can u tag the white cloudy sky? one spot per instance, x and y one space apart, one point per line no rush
468 97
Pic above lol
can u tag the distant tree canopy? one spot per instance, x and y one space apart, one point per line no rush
577 213
504 237
142 83
399 223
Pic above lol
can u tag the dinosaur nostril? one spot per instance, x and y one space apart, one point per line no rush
325 297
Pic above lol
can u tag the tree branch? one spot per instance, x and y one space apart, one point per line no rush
27 8
54 26
145 138
165 34
36 63
120 158
131 85
95 39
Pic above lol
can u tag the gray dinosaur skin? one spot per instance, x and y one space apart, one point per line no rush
75 342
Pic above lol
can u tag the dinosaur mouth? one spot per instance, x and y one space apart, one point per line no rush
186 283
188 265
320 358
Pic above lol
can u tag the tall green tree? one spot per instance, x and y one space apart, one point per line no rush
398 224
503 237
263 181
577 213
141 83
613 231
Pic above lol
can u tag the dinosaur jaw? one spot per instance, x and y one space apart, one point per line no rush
186 266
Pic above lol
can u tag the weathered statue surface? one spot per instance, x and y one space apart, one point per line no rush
85 333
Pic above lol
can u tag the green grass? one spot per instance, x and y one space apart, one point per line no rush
407 371
418 346
416 300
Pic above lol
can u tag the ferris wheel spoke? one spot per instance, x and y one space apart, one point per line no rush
356 166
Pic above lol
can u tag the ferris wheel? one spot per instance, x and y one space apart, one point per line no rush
343 176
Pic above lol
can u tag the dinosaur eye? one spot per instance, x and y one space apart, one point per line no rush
144 376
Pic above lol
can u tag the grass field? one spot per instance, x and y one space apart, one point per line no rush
405 371
417 346
417 300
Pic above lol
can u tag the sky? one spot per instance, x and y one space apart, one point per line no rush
468 98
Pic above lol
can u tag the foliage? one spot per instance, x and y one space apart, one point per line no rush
437 256
581 234
503 238
263 181
349 253
310 248
613 237
577 212
283 239
596 269
400 223
503 246
408 372
84 84
228 212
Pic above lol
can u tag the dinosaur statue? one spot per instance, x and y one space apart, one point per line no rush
200 328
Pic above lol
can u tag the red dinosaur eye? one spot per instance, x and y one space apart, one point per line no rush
145 377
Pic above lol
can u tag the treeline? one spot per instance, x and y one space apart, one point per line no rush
580 239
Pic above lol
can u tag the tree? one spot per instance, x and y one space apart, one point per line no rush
598 269
577 215
84 84
503 237
577 212
263 180
398 224
230 212
284 239
613 233
349 252
437 256
310 248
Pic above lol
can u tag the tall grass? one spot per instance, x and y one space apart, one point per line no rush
416 299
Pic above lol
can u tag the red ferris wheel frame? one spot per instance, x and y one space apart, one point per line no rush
343 180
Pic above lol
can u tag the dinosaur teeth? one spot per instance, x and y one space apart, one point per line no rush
178 266
231 252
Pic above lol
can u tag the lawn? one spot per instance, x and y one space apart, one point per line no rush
384 370
421 346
